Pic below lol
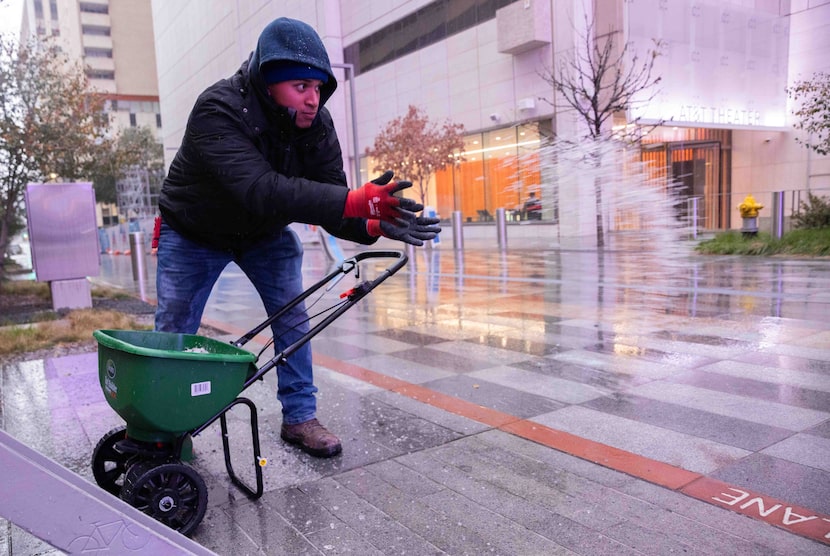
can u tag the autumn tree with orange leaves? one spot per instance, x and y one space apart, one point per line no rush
415 148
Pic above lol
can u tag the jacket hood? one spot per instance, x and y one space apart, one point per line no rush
291 40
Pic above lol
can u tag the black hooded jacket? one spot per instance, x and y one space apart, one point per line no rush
243 169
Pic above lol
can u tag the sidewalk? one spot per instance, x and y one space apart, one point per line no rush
538 401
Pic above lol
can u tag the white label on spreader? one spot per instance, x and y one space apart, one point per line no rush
200 389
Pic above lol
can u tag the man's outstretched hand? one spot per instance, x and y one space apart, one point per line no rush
376 200
410 229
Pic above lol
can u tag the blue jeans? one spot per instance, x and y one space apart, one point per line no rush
185 277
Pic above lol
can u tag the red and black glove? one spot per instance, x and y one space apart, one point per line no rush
409 229
376 200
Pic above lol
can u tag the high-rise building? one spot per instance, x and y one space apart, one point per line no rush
113 39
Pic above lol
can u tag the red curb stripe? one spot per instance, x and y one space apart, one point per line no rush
653 471
416 392
376 379
457 406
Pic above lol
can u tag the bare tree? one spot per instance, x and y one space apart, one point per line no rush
50 126
598 79
814 111
415 148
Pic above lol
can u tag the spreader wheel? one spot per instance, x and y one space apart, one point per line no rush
108 465
172 493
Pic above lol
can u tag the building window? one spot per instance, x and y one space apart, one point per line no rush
53 10
133 122
100 74
158 121
93 8
500 170
93 52
38 9
96 30
430 24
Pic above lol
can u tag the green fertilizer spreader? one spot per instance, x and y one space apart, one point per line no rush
168 388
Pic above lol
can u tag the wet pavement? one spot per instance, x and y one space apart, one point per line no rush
527 401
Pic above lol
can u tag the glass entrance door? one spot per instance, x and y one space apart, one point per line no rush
696 170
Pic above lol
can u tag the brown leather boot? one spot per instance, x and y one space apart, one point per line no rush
312 438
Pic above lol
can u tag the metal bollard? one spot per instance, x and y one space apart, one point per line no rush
138 256
691 210
457 230
778 214
501 228
429 211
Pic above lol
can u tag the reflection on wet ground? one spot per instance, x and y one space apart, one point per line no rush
717 366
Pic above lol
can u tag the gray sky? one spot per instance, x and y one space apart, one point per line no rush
11 11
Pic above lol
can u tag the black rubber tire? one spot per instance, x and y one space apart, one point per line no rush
172 493
108 466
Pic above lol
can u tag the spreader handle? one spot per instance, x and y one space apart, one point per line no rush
358 293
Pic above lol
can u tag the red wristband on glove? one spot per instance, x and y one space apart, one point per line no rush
373 228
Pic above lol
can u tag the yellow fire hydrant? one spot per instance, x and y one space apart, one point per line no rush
749 212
